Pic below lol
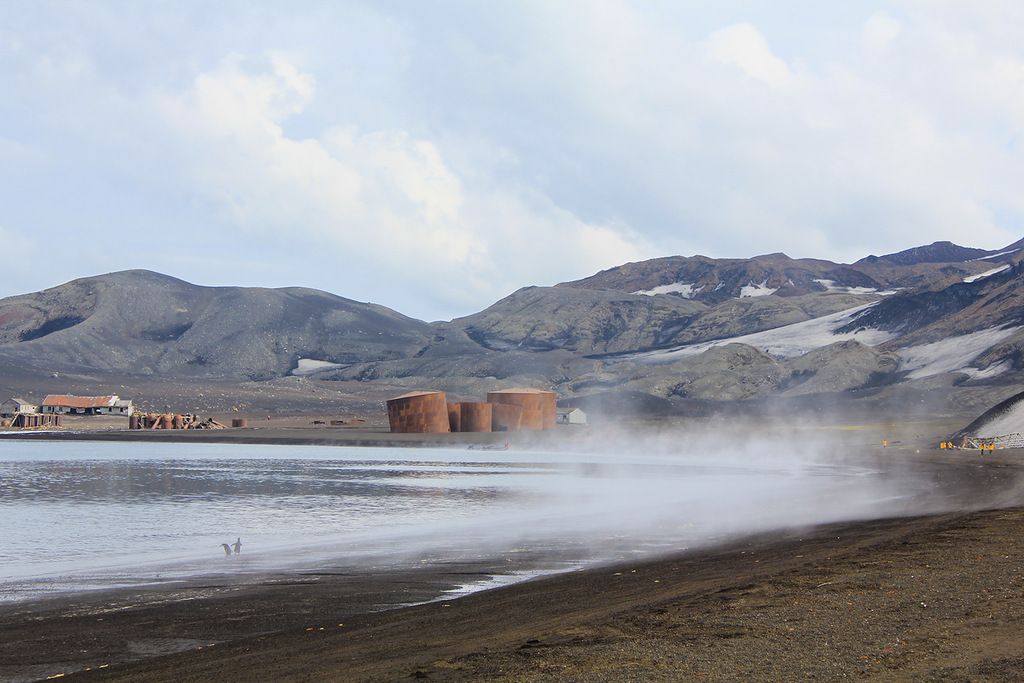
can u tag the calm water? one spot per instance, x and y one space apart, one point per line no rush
86 515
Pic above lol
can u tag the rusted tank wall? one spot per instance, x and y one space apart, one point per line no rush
539 407
239 422
506 417
454 417
476 417
419 412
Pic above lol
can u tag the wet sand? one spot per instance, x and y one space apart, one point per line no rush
925 598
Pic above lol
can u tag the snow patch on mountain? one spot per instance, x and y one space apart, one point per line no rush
831 286
684 289
787 341
987 273
751 290
953 354
993 370
1002 253
1010 422
309 366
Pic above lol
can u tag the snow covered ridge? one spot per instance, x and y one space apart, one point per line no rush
787 341
955 354
987 273
684 289
309 366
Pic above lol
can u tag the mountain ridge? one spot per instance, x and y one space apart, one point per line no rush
676 328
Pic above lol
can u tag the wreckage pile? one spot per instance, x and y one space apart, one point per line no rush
172 421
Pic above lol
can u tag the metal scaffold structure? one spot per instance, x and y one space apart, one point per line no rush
1015 440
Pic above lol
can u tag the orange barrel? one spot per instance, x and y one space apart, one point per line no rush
419 412
475 417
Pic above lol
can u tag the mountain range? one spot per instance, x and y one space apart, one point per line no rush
940 317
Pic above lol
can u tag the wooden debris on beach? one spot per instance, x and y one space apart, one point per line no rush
172 421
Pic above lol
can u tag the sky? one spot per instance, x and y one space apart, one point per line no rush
436 156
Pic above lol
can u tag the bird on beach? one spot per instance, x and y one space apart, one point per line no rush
238 545
227 549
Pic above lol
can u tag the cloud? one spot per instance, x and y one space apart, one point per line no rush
743 46
880 30
436 157
385 197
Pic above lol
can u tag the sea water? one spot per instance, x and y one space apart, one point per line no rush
82 515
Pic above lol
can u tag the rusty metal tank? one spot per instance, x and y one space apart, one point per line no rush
476 417
419 412
539 406
167 421
454 417
506 417
239 422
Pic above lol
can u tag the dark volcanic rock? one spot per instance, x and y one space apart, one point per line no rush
584 321
142 322
936 252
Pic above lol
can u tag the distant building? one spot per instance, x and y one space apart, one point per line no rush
66 404
572 416
14 407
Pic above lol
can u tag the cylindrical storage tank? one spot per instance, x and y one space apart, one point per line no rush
133 422
475 417
167 421
179 421
239 422
539 406
454 417
506 417
152 421
419 412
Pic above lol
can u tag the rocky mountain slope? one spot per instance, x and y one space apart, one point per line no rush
934 320
139 322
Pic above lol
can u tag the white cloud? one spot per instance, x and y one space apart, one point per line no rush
382 196
880 30
478 147
743 46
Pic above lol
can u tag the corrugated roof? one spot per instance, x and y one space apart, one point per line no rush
68 401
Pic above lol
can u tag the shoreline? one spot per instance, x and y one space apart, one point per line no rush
869 598
298 436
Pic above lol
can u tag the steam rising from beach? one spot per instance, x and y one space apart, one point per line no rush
610 495
632 492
